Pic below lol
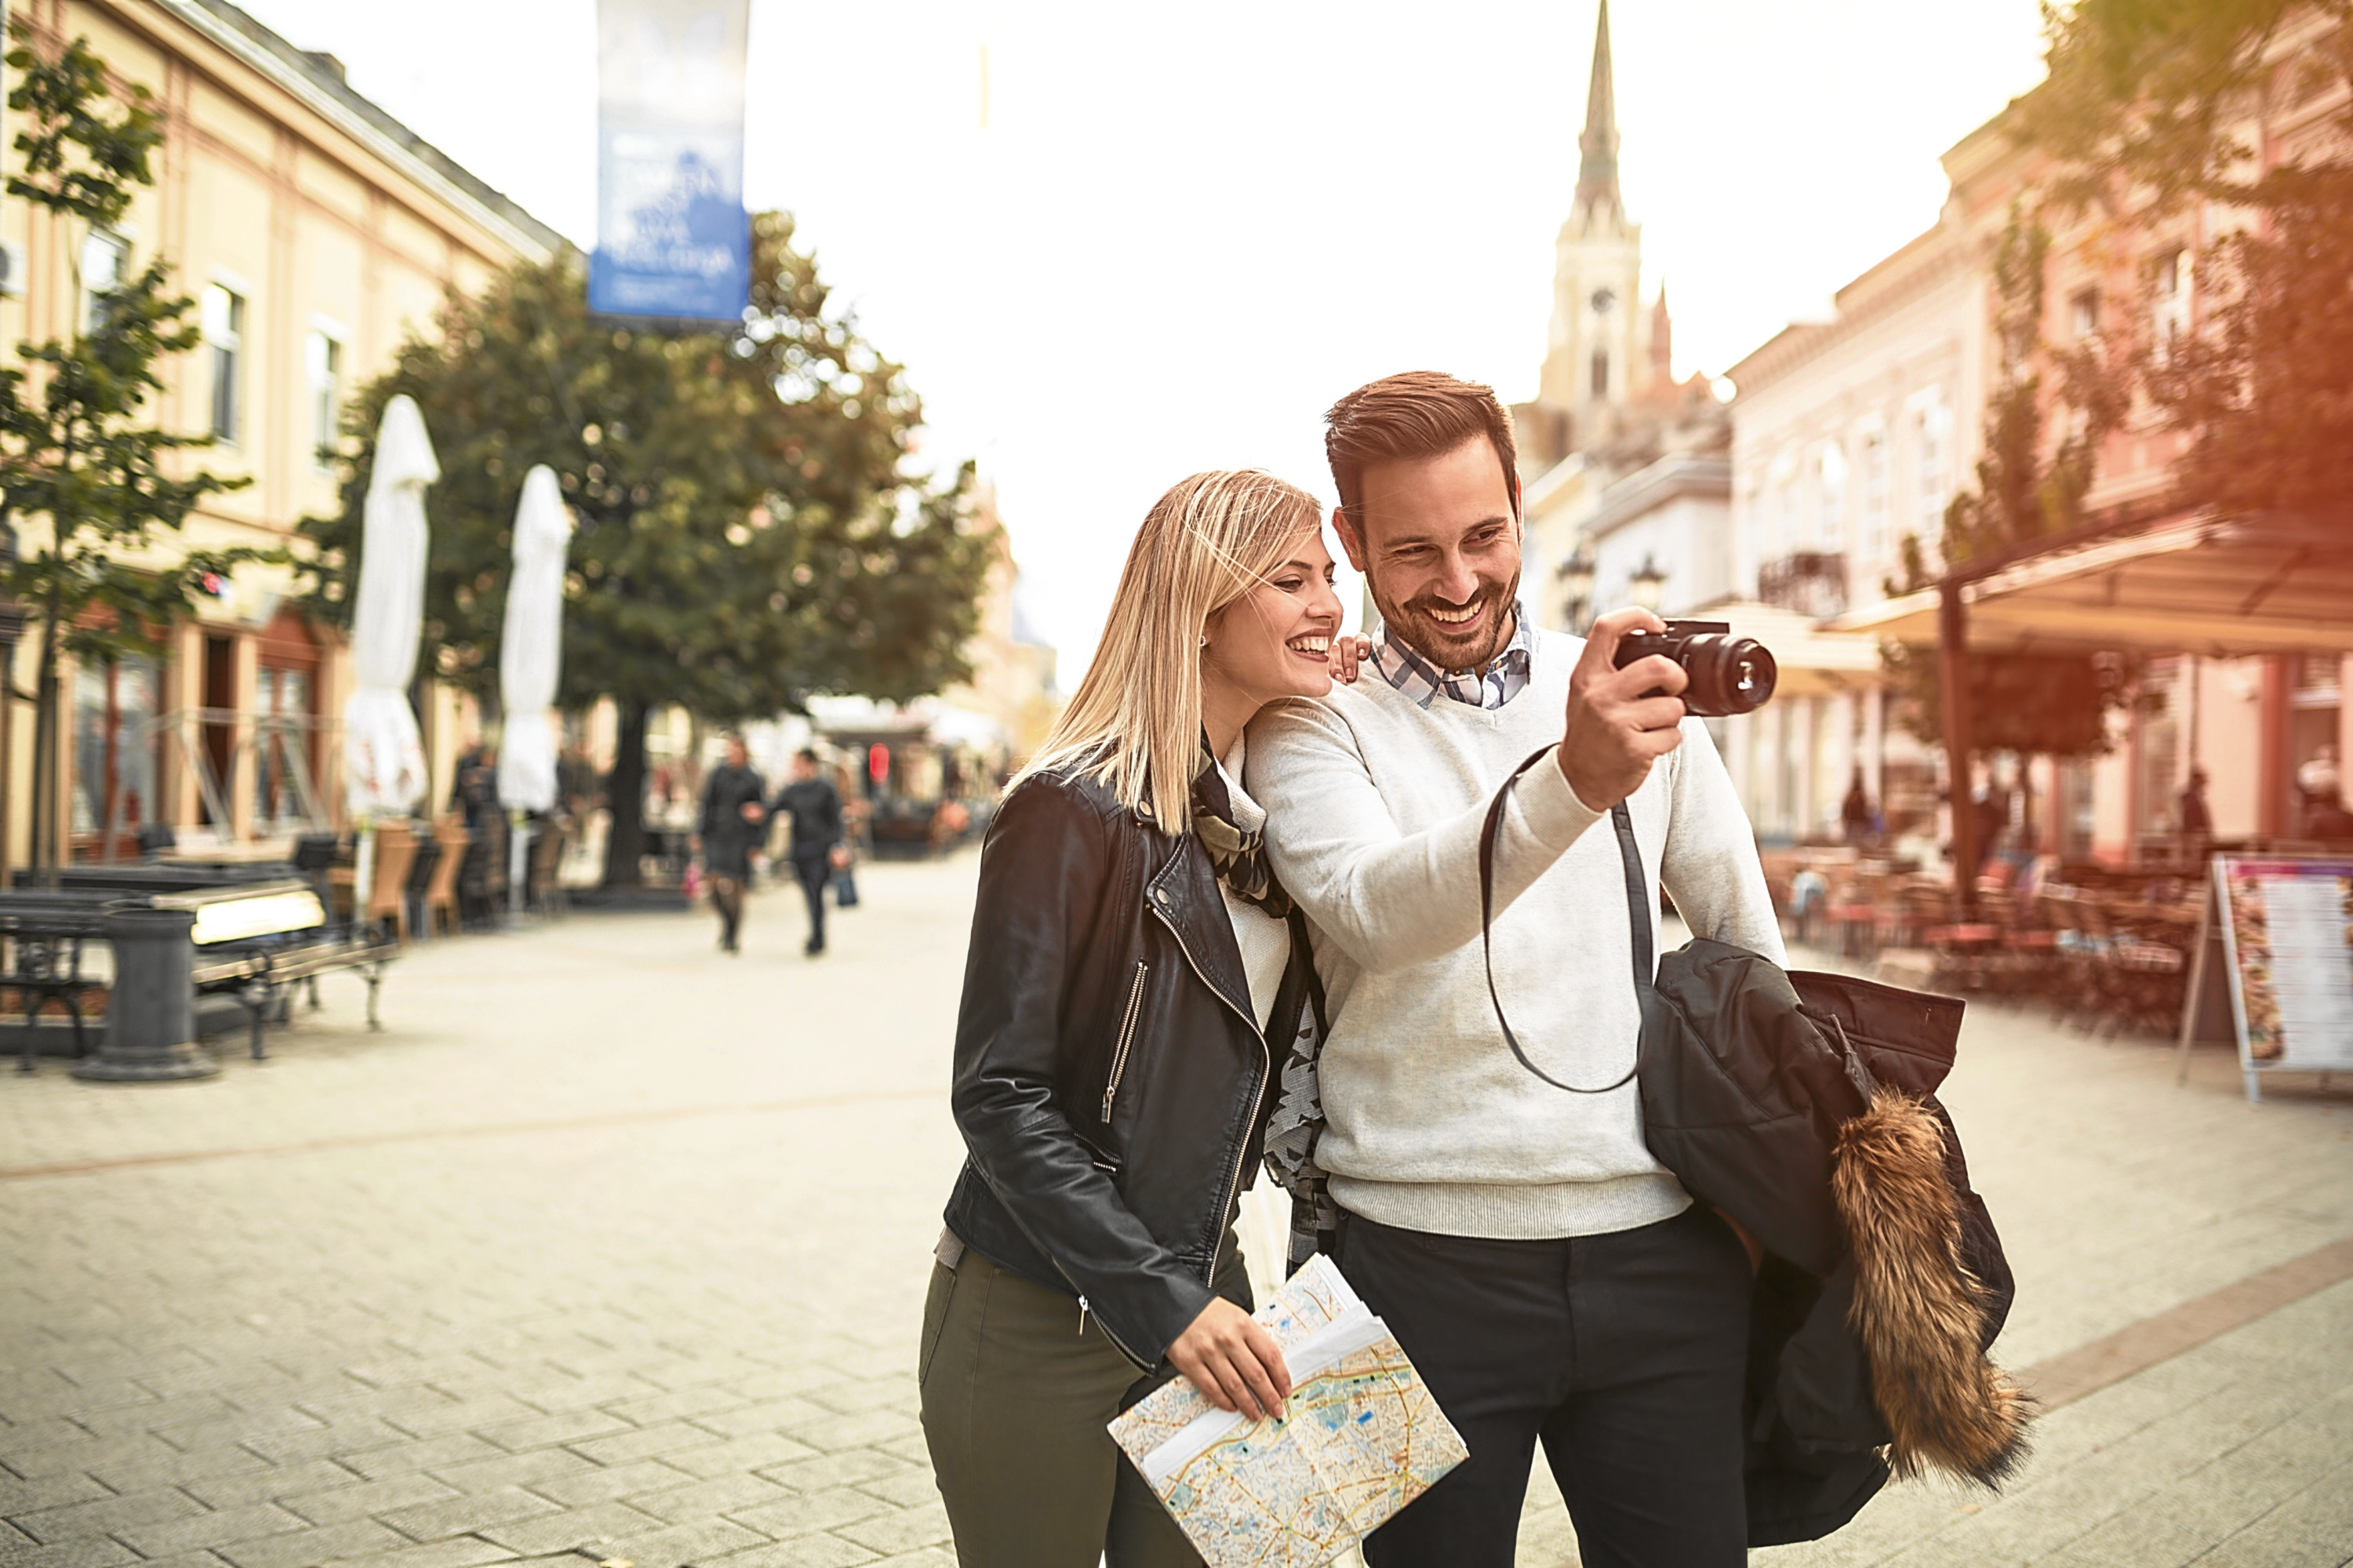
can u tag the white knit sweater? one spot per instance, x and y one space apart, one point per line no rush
1374 808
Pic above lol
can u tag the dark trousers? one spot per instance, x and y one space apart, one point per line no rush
727 897
1016 1388
813 872
1624 1352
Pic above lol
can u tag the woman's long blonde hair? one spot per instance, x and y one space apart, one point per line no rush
1136 720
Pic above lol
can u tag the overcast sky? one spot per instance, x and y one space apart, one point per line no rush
1115 245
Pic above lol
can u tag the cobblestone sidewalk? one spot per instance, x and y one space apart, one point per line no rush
612 1248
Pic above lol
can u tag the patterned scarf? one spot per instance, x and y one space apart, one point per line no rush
1238 852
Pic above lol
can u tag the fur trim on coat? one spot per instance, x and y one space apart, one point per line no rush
1918 1310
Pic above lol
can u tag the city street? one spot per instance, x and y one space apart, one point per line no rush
611 1249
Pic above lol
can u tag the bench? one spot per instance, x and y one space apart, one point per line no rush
44 938
254 940
260 940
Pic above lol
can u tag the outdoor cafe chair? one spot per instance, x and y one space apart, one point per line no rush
396 846
449 835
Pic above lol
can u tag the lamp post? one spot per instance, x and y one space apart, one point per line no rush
1576 585
12 629
1649 585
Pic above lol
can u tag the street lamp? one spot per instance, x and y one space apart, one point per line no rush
1649 585
1576 575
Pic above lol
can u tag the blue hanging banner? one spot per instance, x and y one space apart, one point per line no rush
671 236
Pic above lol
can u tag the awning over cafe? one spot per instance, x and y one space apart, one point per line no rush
2215 586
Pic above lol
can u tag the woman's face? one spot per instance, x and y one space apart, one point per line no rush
1276 640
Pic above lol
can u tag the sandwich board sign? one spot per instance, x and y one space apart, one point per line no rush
2286 949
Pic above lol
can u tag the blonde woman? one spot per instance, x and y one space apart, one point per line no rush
1132 959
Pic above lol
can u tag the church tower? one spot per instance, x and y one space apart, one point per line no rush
1598 359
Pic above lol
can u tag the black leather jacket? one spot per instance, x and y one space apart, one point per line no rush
1111 1083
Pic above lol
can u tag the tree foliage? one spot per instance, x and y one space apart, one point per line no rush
750 533
2155 105
79 448
2027 488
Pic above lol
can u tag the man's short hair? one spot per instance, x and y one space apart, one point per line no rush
807 754
1420 414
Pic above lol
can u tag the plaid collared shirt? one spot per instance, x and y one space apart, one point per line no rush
1505 676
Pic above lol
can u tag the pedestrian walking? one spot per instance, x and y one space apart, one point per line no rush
814 808
1856 815
733 823
1549 1277
1133 969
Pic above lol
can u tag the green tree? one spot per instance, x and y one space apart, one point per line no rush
750 531
2146 111
80 456
2027 488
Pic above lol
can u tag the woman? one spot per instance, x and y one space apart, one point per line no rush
1130 958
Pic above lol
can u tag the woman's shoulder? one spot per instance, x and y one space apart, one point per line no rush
1070 789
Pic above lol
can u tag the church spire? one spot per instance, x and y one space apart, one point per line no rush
1597 169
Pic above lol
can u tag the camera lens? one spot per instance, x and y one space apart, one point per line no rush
1729 675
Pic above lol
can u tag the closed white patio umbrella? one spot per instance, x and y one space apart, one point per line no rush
530 656
383 760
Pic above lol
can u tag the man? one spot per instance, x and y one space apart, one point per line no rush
2197 819
815 808
1547 1275
732 824
1855 815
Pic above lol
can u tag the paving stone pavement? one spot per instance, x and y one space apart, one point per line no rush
613 1249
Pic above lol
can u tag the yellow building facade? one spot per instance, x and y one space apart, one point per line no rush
316 233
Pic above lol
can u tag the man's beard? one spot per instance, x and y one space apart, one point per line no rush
1451 650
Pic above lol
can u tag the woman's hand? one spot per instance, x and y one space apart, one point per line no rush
1348 652
1229 1355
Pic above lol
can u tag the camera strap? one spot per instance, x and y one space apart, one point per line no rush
1638 917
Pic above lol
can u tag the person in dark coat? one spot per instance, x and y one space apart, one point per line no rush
1855 813
2197 820
813 807
733 823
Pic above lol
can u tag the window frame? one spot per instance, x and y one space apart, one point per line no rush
118 244
325 435
225 397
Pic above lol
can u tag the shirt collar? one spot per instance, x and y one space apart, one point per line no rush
1505 676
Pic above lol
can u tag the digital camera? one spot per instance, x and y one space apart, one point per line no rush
1728 675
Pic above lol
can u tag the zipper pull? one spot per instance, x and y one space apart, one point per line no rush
1082 1317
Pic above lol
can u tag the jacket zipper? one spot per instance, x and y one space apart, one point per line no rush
1233 1185
1266 1066
1127 1038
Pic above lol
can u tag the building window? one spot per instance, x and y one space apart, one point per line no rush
1829 506
1875 494
2084 314
224 323
322 362
1933 435
2170 309
1602 373
282 780
103 258
117 755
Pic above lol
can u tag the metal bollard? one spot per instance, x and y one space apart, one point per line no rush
151 1013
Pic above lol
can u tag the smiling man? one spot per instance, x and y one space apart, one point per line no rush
1549 1277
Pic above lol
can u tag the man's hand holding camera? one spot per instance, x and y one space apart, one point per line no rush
1620 721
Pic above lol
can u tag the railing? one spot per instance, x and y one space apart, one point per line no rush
280 746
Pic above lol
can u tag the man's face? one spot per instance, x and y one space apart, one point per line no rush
737 754
803 768
1439 548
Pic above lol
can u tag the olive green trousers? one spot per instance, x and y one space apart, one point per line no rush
1016 1395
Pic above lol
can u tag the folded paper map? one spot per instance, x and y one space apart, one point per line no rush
1359 1438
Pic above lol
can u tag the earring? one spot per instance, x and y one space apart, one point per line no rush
1205 642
